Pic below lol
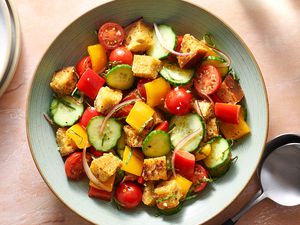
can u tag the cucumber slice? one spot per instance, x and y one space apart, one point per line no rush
110 136
175 75
219 159
157 143
121 145
120 77
65 111
156 50
185 125
217 62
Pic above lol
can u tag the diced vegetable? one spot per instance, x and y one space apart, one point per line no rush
184 163
203 152
228 113
96 193
156 144
199 179
164 126
109 184
78 135
184 183
139 115
132 161
88 114
156 91
175 75
65 111
90 83
110 136
120 77
98 57
235 131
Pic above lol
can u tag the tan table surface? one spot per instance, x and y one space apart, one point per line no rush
271 29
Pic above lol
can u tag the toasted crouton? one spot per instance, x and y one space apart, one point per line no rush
145 66
207 109
148 197
132 137
106 99
168 194
230 91
65 144
155 168
64 81
138 37
193 45
212 129
105 166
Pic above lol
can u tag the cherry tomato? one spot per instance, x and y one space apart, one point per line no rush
111 35
84 64
95 152
228 113
88 114
178 101
179 41
140 180
90 83
124 111
198 179
208 79
164 126
141 87
74 166
184 163
128 195
96 193
121 55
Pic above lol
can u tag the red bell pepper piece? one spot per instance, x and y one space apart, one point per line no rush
184 163
96 193
90 83
88 114
228 113
95 152
164 126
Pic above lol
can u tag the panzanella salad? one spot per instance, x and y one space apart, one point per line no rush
148 115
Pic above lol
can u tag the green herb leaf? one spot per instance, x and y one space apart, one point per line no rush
159 200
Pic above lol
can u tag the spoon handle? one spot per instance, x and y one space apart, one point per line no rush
255 199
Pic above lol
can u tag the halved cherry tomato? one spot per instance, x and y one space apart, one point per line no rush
141 87
95 152
198 179
128 195
228 113
90 83
96 193
184 163
111 35
88 114
74 166
178 101
164 126
121 55
84 64
208 79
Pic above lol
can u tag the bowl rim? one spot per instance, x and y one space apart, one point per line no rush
29 93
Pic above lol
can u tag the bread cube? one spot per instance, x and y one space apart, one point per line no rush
64 81
132 137
105 166
155 169
145 66
212 128
191 45
106 99
148 197
65 144
138 37
207 109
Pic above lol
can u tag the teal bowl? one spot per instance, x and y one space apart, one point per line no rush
71 45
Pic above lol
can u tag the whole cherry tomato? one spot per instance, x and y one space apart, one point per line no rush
178 101
128 195
121 55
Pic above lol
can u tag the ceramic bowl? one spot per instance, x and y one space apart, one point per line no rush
71 45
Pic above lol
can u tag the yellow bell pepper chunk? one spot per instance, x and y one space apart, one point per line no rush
139 115
184 183
98 57
235 131
78 135
156 91
133 161
109 183
203 153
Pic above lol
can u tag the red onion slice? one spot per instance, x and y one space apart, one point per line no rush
89 173
163 44
115 109
181 144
